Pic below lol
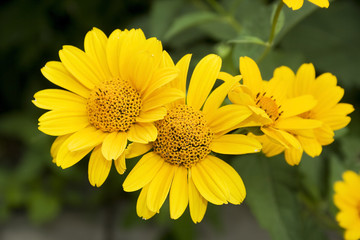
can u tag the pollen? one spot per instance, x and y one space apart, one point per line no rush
183 137
113 106
269 105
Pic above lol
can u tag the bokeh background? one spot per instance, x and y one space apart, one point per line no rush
41 201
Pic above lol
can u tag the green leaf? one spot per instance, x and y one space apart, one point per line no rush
188 21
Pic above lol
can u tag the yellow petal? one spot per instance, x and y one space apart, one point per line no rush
142 133
59 122
183 66
324 134
280 84
152 115
230 177
297 105
159 187
114 145
161 97
80 66
235 144
227 117
120 164
297 123
207 186
328 99
57 143
56 73
59 99
294 4
281 137
66 158
203 80
141 206
143 172
179 193
311 146
197 204
271 148
86 138
305 78
99 168
137 149
251 74
166 60
320 3
293 156
113 51
95 47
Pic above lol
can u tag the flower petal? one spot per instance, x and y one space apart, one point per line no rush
197 204
141 206
136 149
120 164
251 75
161 97
297 123
323 4
113 51
59 99
152 115
143 172
235 144
142 133
57 143
114 145
179 193
86 138
203 80
99 168
294 4
297 105
305 77
159 187
311 146
293 156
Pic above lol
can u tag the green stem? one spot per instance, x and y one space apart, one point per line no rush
272 33
227 16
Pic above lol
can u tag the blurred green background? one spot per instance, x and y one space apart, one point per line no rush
286 201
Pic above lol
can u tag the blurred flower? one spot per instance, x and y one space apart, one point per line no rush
272 110
297 4
328 110
114 95
347 199
180 162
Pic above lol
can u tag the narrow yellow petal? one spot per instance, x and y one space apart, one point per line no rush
136 149
305 78
141 206
179 193
281 137
183 66
142 133
235 144
166 60
207 186
57 143
320 3
294 4
120 164
159 187
66 158
251 74
59 122
324 134
152 115
203 80
86 138
197 203
280 84
56 73
95 47
230 177
143 172
227 117
80 66
328 99
99 168
311 146
271 148
297 105
241 95
113 51
114 145
297 123
161 97
293 156
59 99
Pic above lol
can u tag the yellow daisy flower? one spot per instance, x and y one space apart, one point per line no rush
328 110
180 162
114 93
297 4
272 110
347 199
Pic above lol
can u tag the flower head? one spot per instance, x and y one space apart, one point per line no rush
114 91
347 199
297 4
273 111
328 110
181 162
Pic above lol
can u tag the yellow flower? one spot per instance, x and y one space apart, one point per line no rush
297 4
328 110
180 162
347 199
113 95
272 110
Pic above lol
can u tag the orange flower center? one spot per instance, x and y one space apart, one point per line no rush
113 106
183 137
269 105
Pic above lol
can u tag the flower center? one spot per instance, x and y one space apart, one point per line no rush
269 105
113 106
183 137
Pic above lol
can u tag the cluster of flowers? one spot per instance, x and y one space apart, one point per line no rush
124 97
